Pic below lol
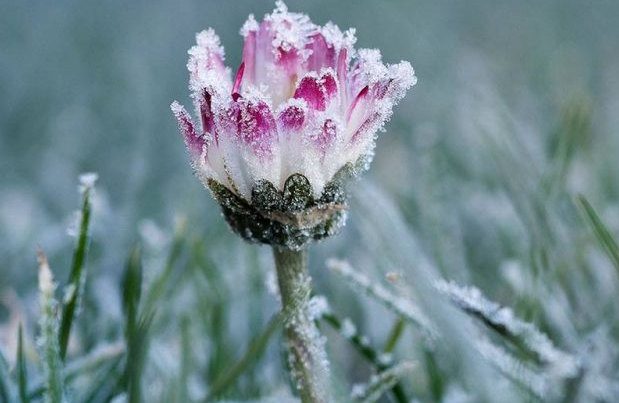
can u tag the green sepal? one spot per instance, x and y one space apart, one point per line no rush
291 218
297 193
265 197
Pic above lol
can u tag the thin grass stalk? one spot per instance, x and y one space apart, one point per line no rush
77 277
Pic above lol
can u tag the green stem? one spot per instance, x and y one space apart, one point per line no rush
308 359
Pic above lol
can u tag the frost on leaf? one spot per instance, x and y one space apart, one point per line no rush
400 306
380 383
503 320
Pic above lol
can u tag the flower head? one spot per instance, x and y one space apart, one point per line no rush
277 142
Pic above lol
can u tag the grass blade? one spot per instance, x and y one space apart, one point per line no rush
502 320
132 289
602 233
159 286
404 308
136 327
77 277
381 361
22 372
5 386
94 360
52 363
380 383
252 354
137 349
394 335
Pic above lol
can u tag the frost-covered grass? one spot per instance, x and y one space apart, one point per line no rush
482 246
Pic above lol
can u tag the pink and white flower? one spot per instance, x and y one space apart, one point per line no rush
303 101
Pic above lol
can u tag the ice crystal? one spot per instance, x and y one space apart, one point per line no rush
349 330
87 181
317 307
74 224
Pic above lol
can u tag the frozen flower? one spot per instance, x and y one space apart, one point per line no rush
277 142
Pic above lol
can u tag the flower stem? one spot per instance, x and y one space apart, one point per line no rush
308 359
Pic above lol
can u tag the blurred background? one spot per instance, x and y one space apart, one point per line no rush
515 112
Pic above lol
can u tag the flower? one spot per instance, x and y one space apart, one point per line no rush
277 143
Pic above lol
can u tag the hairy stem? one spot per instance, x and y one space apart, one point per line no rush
308 359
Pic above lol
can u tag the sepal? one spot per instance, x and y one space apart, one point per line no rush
290 218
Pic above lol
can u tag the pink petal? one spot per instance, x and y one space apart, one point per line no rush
358 103
291 118
206 113
323 54
239 77
264 51
255 125
194 142
381 87
330 85
327 134
317 92
342 67
289 61
310 89
249 56
207 56
367 127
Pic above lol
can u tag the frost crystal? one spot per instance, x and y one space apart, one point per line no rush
349 330
302 103
317 307
74 224
87 181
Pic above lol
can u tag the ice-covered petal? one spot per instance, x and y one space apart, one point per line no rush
322 53
236 87
195 143
316 90
290 30
292 116
337 39
366 131
358 106
401 79
255 125
249 32
289 61
329 84
206 61
326 134
206 112
310 90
